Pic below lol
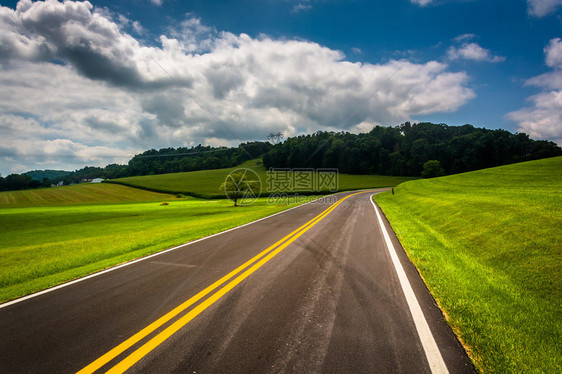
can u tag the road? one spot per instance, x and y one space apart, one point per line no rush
313 289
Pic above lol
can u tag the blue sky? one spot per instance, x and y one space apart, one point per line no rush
95 83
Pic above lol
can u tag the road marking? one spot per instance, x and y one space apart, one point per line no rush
269 253
432 353
54 288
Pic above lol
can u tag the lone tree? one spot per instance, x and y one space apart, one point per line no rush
238 186
432 168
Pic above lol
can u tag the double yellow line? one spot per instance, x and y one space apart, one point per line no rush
257 261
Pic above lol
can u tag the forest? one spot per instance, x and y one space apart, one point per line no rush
403 150
400 151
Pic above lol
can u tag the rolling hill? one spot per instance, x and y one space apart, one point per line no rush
489 245
78 195
206 183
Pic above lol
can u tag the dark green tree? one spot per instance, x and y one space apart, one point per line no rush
238 185
17 182
431 169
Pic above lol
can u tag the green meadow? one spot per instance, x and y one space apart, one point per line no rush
206 183
82 194
57 234
77 230
489 246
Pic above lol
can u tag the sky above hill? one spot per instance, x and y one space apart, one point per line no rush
93 83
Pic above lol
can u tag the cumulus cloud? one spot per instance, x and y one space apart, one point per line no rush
541 8
544 118
73 75
74 32
472 51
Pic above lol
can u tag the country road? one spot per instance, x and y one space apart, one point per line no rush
311 290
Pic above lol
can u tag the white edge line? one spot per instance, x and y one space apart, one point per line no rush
69 283
434 358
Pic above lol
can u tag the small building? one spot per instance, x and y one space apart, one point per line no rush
97 180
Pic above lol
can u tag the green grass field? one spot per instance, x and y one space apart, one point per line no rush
206 183
53 235
82 229
489 246
79 194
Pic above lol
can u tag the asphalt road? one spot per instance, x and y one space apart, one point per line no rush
326 298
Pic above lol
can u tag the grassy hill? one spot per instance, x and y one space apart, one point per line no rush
53 235
489 245
206 183
78 194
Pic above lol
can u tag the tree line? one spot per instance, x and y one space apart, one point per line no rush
400 150
15 182
403 150
162 161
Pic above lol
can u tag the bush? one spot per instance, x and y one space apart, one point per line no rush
431 169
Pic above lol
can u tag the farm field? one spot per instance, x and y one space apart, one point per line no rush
489 246
78 194
76 230
56 234
206 183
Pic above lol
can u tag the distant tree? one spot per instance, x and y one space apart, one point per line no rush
46 182
237 186
17 182
431 169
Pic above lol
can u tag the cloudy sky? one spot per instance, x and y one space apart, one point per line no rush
92 83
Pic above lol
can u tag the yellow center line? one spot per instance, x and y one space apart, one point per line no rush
158 339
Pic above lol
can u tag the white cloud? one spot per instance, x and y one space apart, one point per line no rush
421 2
300 7
156 2
472 51
554 53
541 8
107 93
544 119
464 37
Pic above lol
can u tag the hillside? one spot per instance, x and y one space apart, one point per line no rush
50 236
489 245
78 195
206 183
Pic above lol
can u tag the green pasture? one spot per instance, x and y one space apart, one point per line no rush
206 183
489 246
46 245
78 194
56 234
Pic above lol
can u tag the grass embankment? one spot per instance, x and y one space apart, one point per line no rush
489 246
206 183
86 228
